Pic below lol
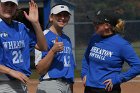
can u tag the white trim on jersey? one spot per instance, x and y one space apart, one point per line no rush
46 31
46 76
38 56
0 19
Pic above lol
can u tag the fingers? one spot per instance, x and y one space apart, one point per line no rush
33 4
109 85
106 81
58 46
25 14
25 79
56 40
84 80
22 77
18 75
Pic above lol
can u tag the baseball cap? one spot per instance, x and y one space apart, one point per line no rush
106 16
59 8
14 1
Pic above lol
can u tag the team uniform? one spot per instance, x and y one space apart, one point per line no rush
16 42
61 72
104 59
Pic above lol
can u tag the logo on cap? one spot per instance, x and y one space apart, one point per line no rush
99 12
62 6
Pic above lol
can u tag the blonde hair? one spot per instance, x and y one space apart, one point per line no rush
119 26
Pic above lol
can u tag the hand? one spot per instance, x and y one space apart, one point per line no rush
33 12
58 46
18 75
84 80
109 85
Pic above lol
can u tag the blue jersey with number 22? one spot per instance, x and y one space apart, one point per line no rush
16 41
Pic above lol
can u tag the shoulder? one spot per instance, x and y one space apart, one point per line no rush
49 35
20 24
119 41
17 22
46 31
65 36
95 38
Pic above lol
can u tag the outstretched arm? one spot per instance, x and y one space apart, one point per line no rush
34 19
16 74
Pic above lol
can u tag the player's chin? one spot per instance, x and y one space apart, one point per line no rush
8 16
62 25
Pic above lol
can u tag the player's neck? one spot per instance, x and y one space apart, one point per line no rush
8 21
56 30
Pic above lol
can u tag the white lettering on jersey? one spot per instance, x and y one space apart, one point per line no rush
100 53
66 50
14 44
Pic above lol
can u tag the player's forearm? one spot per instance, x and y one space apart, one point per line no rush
41 41
44 64
4 69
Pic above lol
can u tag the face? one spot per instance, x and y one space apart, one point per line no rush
102 28
7 10
99 28
61 19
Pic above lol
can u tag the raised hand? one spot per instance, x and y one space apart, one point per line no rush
58 46
109 85
33 12
18 75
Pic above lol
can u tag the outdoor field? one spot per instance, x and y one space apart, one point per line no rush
132 86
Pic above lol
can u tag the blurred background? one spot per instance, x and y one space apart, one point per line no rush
80 29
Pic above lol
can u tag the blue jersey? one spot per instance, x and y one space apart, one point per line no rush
16 41
104 59
63 63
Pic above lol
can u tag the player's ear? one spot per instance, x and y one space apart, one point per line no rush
51 18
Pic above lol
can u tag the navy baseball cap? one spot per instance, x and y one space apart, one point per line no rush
106 16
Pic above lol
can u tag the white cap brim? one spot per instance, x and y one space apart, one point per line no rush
60 8
14 1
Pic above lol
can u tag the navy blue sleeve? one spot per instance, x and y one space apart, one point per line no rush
85 61
32 39
1 53
129 56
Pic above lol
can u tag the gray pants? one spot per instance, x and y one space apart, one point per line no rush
12 86
53 86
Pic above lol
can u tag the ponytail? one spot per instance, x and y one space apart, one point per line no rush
119 26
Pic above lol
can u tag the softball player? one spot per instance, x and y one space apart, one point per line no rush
16 41
56 65
105 56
